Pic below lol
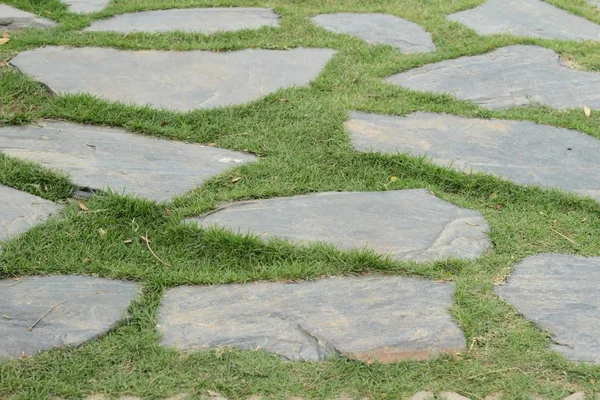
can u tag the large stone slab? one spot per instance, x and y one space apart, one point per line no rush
86 307
100 158
560 294
369 318
201 20
379 29
508 77
176 80
405 224
524 152
12 19
86 6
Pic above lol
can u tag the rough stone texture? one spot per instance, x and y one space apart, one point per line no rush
422 396
172 79
594 2
508 77
379 29
100 157
406 224
386 319
451 396
530 18
524 152
559 293
200 20
86 6
93 307
12 19
576 396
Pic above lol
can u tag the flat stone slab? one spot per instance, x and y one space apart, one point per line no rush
86 6
100 158
594 2
524 152
508 77
12 19
200 20
405 224
387 318
86 307
176 80
559 293
379 29
530 18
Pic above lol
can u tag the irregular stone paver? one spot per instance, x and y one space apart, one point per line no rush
12 19
508 77
100 158
531 18
576 396
91 307
451 396
523 152
177 80
559 293
387 318
86 6
422 396
406 224
594 2
201 20
379 29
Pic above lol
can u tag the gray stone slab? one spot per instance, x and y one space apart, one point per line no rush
176 80
559 293
92 306
508 77
383 319
12 19
100 158
406 224
379 29
524 152
594 2
86 6
200 20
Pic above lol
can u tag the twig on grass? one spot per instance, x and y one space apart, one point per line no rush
147 240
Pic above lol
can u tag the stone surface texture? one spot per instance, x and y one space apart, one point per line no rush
100 158
379 29
559 293
406 224
530 18
508 77
92 306
171 79
12 19
524 152
594 2
86 6
387 319
200 20
451 396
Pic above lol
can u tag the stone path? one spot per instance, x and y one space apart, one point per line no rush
405 224
379 29
201 20
86 6
374 318
12 19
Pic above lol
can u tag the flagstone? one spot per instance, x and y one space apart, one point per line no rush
12 19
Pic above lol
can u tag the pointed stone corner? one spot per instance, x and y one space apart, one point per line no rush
98 158
367 318
405 224
559 293
405 35
196 79
508 77
199 20
86 6
82 308
12 19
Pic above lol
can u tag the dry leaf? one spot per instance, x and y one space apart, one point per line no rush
83 206
498 206
128 241
5 35
234 180
169 211
4 40
102 232
587 111
493 196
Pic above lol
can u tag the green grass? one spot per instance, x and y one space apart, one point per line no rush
305 149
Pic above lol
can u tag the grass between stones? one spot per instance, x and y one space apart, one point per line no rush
305 148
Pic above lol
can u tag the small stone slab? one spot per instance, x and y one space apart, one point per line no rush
508 77
176 80
86 6
406 224
383 318
200 20
560 294
524 152
100 158
594 2
379 29
86 307
12 19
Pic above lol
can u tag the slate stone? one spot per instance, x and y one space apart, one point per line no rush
530 18
86 6
559 293
524 152
100 158
92 306
594 2
379 29
12 19
176 80
406 224
200 20
508 77
377 318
